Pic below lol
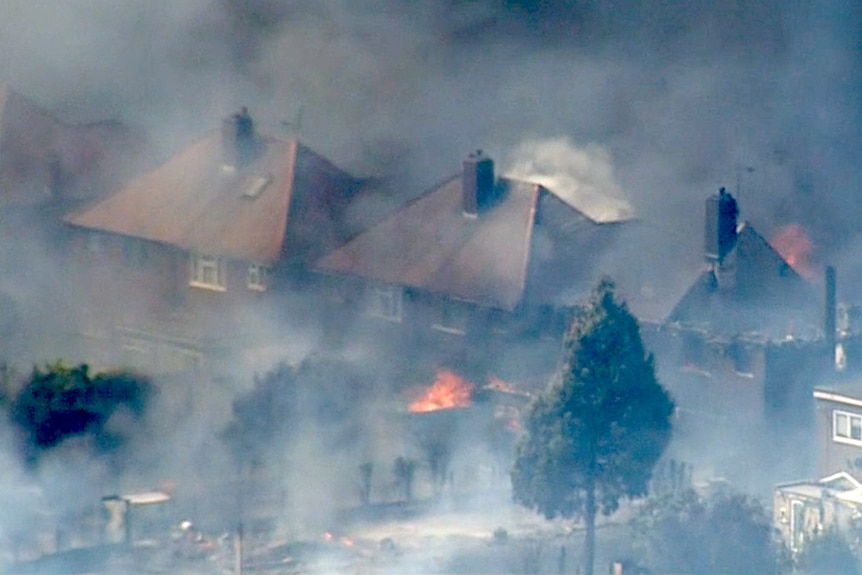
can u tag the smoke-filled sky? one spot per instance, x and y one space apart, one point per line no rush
681 97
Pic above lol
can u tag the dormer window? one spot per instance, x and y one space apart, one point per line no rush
258 277
208 272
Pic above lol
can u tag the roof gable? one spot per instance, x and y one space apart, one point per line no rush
432 245
754 289
27 136
195 203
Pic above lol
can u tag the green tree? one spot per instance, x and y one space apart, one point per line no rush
683 532
59 402
595 434
829 553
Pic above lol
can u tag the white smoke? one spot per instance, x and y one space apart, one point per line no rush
582 176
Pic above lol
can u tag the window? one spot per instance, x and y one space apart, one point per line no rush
384 302
847 427
207 272
452 318
258 277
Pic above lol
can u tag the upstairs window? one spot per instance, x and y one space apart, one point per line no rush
258 277
208 272
384 302
847 427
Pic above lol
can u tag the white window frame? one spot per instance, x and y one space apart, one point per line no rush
258 277
385 302
843 430
208 272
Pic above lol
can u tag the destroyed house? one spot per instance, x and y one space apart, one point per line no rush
178 260
743 348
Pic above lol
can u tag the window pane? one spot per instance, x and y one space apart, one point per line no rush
842 425
856 427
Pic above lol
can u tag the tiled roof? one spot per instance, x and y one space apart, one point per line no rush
530 247
432 245
285 204
27 136
759 292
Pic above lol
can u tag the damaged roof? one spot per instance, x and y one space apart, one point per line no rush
288 203
758 291
43 158
529 246
27 136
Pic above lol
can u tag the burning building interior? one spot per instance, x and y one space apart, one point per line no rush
332 252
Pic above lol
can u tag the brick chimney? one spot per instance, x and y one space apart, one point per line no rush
238 140
720 228
477 182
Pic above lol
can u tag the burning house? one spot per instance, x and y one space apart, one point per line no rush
472 267
744 347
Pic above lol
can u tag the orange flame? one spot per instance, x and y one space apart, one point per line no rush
794 245
448 390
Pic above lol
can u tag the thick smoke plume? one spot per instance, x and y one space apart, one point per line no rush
582 176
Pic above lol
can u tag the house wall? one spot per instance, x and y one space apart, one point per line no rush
710 378
521 345
138 307
835 455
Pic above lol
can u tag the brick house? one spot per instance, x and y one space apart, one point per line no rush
188 260
742 349
474 267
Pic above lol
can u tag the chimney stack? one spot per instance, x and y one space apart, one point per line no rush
477 182
720 228
238 141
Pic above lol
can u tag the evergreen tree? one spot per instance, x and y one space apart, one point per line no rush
594 436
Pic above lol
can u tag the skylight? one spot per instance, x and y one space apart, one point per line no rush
254 185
